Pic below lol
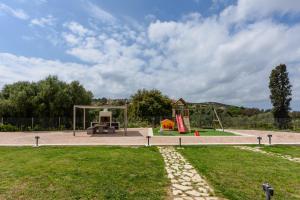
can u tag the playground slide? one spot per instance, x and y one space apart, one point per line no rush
180 124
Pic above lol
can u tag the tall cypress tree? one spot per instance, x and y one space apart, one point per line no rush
281 95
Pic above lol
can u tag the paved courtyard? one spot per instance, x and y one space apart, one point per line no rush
137 136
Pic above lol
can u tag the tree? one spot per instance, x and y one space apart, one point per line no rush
281 95
146 104
47 98
17 99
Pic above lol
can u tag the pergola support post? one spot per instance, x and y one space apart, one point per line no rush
125 120
84 119
74 120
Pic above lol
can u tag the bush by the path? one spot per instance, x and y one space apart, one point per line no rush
7 128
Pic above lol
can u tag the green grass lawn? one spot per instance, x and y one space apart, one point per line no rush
82 173
238 175
203 132
293 151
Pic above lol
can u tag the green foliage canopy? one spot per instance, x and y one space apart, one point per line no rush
150 103
47 98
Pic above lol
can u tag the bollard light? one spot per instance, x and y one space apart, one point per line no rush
259 140
269 191
148 139
160 131
180 141
270 138
37 140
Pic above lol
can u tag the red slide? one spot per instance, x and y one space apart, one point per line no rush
180 125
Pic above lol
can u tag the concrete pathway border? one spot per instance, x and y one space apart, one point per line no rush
138 137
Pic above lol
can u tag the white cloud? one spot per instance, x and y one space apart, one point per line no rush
210 63
71 39
197 58
18 68
18 13
255 9
102 79
87 54
99 13
77 28
43 21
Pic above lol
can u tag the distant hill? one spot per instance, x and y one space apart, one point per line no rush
230 110
215 104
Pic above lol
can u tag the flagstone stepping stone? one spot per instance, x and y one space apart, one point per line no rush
182 187
188 198
193 193
186 183
258 150
176 192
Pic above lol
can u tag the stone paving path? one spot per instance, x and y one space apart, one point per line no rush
259 150
137 136
186 182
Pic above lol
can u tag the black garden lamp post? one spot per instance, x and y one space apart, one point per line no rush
37 140
259 140
269 191
270 138
148 140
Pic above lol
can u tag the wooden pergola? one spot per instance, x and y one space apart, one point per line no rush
84 107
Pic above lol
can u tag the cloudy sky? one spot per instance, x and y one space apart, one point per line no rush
201 50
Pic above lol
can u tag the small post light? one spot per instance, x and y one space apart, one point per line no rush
153 122
37 140
259 140
180 141
160 131
270 139
148 140
269 191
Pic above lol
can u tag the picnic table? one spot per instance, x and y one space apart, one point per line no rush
97 128
100 128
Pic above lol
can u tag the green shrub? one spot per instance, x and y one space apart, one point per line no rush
8 128
138 124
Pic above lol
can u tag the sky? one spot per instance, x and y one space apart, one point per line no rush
200 50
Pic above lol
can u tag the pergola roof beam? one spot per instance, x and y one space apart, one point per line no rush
100 107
